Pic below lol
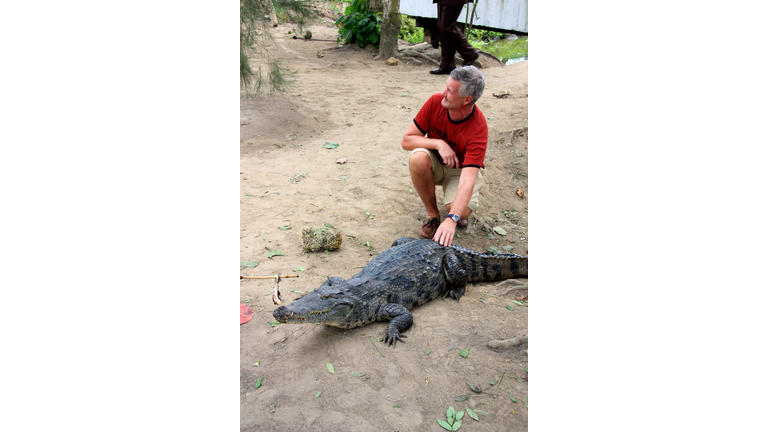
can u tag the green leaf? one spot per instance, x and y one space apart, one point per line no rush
258 383
459 415
330 368
357 374
317 395
249 264
464 353
450 413
299 269
427 352
457 424
492 382
297 291
444 424
397 406
462 398
285 228
475 388
509 307
491 236
500 230
472 414
481 412
517 302
507 248
513 399
493 249
275 253
330 145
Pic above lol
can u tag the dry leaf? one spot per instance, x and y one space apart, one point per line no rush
521 297
341 160
503 94
520 192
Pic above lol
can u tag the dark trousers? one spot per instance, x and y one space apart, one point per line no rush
451 38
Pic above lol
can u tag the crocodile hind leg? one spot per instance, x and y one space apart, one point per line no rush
400 321
455 274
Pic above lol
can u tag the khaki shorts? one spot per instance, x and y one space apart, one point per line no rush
448 178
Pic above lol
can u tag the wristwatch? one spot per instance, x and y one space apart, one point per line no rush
454 217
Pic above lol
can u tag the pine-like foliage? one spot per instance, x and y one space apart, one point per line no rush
269 77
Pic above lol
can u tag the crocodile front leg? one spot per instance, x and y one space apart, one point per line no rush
400 321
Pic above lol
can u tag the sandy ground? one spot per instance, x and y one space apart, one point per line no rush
289 180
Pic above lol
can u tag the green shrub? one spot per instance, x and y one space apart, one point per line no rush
359 24
409 32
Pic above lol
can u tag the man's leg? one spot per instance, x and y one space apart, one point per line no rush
453 37
424 181
446 21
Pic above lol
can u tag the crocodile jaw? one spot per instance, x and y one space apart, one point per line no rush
294 315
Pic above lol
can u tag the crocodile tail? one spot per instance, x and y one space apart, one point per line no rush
487 267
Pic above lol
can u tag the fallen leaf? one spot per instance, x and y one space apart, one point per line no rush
330 145
522 297
520 192
500 230
330 368
472 414
317 395
341 161
475 388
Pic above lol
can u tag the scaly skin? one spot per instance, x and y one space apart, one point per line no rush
410 273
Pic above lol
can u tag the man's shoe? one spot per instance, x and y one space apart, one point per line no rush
471 61
441 71
428 228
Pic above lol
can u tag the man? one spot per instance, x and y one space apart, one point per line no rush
451 154
451 38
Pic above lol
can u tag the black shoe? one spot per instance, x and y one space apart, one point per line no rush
441 71
473 60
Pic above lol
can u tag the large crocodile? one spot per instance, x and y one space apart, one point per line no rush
410 273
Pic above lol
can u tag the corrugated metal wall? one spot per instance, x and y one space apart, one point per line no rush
499 14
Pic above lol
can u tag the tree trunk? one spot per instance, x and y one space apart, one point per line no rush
390 29
272 15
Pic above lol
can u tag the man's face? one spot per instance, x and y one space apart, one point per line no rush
451 98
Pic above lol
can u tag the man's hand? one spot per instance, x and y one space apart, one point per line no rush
448 155
445 232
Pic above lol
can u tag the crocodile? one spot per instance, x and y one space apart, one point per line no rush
410 273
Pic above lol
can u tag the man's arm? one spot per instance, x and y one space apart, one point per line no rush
414 139
447 229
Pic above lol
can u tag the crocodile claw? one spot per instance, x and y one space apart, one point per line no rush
391 338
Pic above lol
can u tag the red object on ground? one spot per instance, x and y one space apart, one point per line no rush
246 313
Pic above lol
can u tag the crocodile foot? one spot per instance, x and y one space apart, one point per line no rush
392 336
456 292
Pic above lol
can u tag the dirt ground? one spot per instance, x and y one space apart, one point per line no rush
290 182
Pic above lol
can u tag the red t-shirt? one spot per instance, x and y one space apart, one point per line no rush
468 138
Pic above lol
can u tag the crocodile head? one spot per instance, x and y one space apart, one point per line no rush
330 304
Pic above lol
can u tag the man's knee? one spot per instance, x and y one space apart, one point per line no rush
419 162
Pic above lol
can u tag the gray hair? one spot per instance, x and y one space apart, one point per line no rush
472 81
